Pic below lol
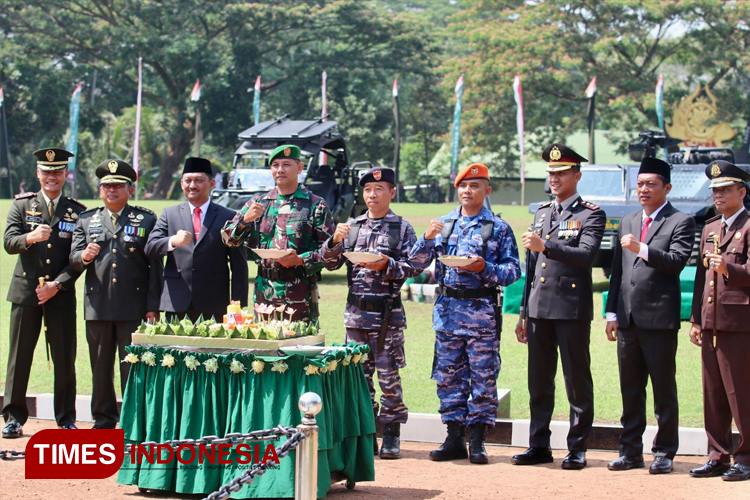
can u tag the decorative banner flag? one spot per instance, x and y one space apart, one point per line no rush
591 89
323 158
660 101
256 101
195 95
517 94
4 154
397 138
137 142
72 146
456 127
395 87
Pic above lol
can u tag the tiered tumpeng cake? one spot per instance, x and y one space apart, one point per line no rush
266 329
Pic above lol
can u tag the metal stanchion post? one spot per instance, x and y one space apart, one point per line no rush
306 475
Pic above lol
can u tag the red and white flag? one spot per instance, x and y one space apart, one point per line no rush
395 87
2 96
323 159
137 144
195 95
591 89
518 95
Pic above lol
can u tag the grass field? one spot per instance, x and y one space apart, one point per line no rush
419 389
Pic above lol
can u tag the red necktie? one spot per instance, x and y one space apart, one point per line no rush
644 229
197 223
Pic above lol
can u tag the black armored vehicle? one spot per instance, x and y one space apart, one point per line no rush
327 170
613 187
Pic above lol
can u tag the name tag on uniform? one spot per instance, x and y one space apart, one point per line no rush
95 230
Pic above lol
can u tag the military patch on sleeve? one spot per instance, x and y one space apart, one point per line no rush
144 209
77 202
27 194
589 205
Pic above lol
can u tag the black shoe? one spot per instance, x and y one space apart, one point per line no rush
98 427
12 429
391 448
533 456
738 472
375 444
477 453
626 463
661 465
712 468
576 460
68 426
454 446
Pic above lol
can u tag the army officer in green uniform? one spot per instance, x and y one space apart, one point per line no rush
42 290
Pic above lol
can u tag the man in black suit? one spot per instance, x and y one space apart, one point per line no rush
196 274
42 291
562 244
122 287
643 315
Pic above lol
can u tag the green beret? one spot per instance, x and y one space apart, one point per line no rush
285 151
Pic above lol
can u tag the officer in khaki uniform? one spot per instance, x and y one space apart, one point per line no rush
562 244
721 305
123 286
39 230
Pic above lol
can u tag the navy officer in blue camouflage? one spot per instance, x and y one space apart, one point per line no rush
467 315
374 314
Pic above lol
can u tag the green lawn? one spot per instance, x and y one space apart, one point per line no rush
419 389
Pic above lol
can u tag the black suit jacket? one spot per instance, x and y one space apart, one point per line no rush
122 284
647 293
558 280
197 274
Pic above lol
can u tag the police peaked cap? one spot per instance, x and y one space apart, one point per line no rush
722 173
560 157
378 174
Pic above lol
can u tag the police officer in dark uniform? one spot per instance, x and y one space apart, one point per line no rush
123 286
42 291
562 244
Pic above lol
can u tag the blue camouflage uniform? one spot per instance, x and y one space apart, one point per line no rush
467 347
363 326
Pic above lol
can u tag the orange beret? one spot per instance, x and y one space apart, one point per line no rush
473 171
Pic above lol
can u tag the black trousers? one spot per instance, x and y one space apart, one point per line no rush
643 353
25 326
572 337
105 339
192 314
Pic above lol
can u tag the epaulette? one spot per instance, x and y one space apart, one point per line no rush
713 218
589 205
27 194
545 205
90 210
77 202
143 209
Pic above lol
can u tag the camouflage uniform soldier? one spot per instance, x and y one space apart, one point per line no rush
374 314
467 318
288 217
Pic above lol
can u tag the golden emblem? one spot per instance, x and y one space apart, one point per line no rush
50 155
715 170
377 174
694 120
112 166
555 154
737 236
287 151
474 171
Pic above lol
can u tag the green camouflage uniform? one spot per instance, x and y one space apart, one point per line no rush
300 221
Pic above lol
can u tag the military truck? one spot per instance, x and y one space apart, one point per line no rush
327 172
613 188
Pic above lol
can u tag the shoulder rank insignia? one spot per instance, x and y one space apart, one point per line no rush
712 219
77 202
589 205
21 196
144 209
545 205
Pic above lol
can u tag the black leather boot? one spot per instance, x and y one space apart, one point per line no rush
477 453
454 446
391 448
375 436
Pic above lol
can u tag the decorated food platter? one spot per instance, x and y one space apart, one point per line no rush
454 261
270 253
362 257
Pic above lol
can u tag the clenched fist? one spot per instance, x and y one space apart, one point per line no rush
90 252
341 231
41 233
181 239
532 241
630 242
254 211
433 229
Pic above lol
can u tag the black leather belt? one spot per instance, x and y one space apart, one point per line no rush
274 274
374 305
472 293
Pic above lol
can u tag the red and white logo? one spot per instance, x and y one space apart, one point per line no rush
377 174
79 454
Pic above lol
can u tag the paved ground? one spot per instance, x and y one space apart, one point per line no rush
415 477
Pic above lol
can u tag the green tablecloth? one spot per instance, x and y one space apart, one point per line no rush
162 403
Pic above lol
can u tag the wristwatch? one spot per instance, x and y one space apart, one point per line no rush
58 285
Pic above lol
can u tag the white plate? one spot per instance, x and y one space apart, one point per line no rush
453 261
304 350
270 253
360 257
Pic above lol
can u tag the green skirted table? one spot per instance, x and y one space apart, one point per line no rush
166 399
